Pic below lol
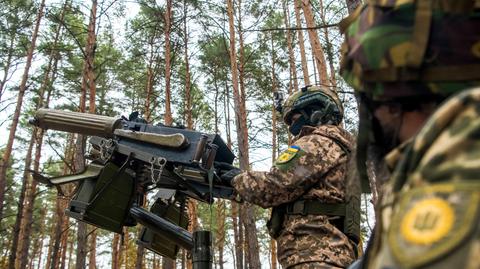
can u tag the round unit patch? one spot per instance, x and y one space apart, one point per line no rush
428 221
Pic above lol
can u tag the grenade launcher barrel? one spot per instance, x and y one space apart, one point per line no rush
76 122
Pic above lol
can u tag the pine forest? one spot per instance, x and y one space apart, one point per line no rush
209 66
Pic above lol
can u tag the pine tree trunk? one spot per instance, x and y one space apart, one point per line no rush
273 253
115 251
226 107
239 94
88 77
188 97
318 53
28 222
53 257
21 92
314 64
81 249
41 237
81 245
238 237
193 224
238 240
61 204
168 15
220 235
17 234
329 46
253 250
38 241
242 131
192 204
238 107
64 246
92 257
303 56
241 234
291 54
243 155
88 80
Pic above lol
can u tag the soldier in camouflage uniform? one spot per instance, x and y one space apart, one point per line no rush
415 67
306 186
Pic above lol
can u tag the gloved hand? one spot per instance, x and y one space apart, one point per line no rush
227 172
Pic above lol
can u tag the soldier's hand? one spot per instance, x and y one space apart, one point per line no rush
227 172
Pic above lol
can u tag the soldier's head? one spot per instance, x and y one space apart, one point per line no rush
405 57
312 106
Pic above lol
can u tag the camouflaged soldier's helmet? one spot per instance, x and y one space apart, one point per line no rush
317 105
404 48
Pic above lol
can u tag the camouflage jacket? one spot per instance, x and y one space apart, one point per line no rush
313 168
429 213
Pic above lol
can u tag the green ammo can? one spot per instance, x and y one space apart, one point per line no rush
104 201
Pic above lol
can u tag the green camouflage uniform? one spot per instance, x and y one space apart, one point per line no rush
313 168
428 214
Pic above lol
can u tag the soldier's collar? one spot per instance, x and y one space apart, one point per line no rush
306 130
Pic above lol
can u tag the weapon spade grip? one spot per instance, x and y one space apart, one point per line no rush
210 158
202 143
76 122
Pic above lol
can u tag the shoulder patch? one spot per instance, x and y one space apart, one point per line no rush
288 158
427 221
431 221
287 155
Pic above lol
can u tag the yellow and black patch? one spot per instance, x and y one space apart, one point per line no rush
288 157
430 221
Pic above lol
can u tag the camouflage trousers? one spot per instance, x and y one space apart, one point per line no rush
311 241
